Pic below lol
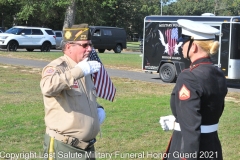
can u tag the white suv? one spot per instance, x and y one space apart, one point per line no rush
28 37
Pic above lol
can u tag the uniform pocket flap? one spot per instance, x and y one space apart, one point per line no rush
73 92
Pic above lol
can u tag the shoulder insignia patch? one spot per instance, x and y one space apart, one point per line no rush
49 71
184 93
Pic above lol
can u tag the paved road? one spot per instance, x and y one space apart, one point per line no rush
234 86
112 72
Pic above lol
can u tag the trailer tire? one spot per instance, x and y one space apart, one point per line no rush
167 73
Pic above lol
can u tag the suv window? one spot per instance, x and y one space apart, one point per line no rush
37 32
26 31
107 32
58 34
97 33
50 32
14 30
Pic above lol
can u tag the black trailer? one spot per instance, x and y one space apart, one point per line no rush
162 53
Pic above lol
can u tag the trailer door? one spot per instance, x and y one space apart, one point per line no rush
216 58
224 45
234 56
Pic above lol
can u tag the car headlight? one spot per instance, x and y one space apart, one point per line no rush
3 37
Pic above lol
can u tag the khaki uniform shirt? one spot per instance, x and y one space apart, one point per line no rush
69 99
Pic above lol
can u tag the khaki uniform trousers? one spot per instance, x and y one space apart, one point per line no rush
56 150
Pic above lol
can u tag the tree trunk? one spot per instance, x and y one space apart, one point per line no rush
70 15
215 7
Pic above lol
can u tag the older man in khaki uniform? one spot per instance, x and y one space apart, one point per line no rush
72 115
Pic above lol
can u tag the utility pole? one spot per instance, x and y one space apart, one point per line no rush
161 6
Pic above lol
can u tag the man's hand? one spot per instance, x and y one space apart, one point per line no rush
89 67
101 115
167 122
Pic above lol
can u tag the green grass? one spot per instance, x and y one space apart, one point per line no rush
133 45
122 61
131 125
48 56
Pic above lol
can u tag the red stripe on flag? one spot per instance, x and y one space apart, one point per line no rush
104 85
102 80
171 41
106 88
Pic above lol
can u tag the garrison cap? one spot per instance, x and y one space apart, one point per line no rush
196 30
78 32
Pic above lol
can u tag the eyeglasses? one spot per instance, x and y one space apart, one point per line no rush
84 45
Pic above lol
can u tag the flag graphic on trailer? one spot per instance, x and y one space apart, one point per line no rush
104 86
172 36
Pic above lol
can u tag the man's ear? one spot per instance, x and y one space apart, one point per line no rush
67 45
68 49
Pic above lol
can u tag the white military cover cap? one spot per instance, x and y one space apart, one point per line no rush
197 30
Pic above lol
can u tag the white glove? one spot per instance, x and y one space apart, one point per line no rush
89 67
167 122
101 115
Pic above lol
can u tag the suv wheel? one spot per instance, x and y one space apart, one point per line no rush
12 46
46 46
29 49
101 50
118 48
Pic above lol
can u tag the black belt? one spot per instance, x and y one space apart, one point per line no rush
71 140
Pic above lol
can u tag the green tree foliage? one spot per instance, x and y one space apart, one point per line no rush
49 13
8 12
128 14
190 7
227 7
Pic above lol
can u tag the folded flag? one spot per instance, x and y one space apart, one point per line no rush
104 86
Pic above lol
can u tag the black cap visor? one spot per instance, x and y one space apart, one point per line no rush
184 38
